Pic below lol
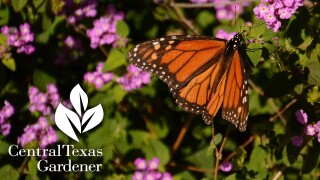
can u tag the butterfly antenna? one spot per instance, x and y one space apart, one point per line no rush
235 17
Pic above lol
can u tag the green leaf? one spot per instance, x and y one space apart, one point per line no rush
107 154
238 160
313 95
290 154
299 88
231 177
258 162
200 158
3 39
114 60
4 146
122 28
211 148
4 16
18 4
205 18
156 148
306 43
38 3
7 172
311 160
10 63
258 28
41 78
314 73
119 93
32 167
254 52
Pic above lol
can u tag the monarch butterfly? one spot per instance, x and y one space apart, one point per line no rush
203 73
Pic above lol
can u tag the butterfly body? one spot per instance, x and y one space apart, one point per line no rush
203 73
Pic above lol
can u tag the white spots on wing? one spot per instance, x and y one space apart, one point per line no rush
154 56
154 65
171 42
156 47
161 39
173 37
135 49
244 99
135 54
138 60
168 47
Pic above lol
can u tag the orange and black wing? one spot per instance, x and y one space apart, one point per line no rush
235 106
194 67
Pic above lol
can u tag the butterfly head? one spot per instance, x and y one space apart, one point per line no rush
235 41
233 44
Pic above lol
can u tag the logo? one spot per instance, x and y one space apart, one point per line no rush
82 120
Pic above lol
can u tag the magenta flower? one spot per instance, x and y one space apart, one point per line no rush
301 116
104 28
40 131
153 164
43 102
309 130
275 10
226 166
140 163
297 141
20 39
317 127
137 175
5 113
224 35
284 13
134 79
98 77
166 176
149 170
76 12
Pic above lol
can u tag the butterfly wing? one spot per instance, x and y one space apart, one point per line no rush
194 67
177 59
235 106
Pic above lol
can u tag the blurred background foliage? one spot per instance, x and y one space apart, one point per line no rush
146 122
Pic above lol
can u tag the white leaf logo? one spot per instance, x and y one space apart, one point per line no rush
66 119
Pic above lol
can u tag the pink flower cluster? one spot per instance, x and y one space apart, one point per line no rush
98 77
5 113
134 79
225 9
20 38
41 132
275 10
77 11
43 102
104 28
312 130
149 170
224 35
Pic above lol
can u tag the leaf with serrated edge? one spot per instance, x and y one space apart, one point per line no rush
78 97
62 117
96 115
